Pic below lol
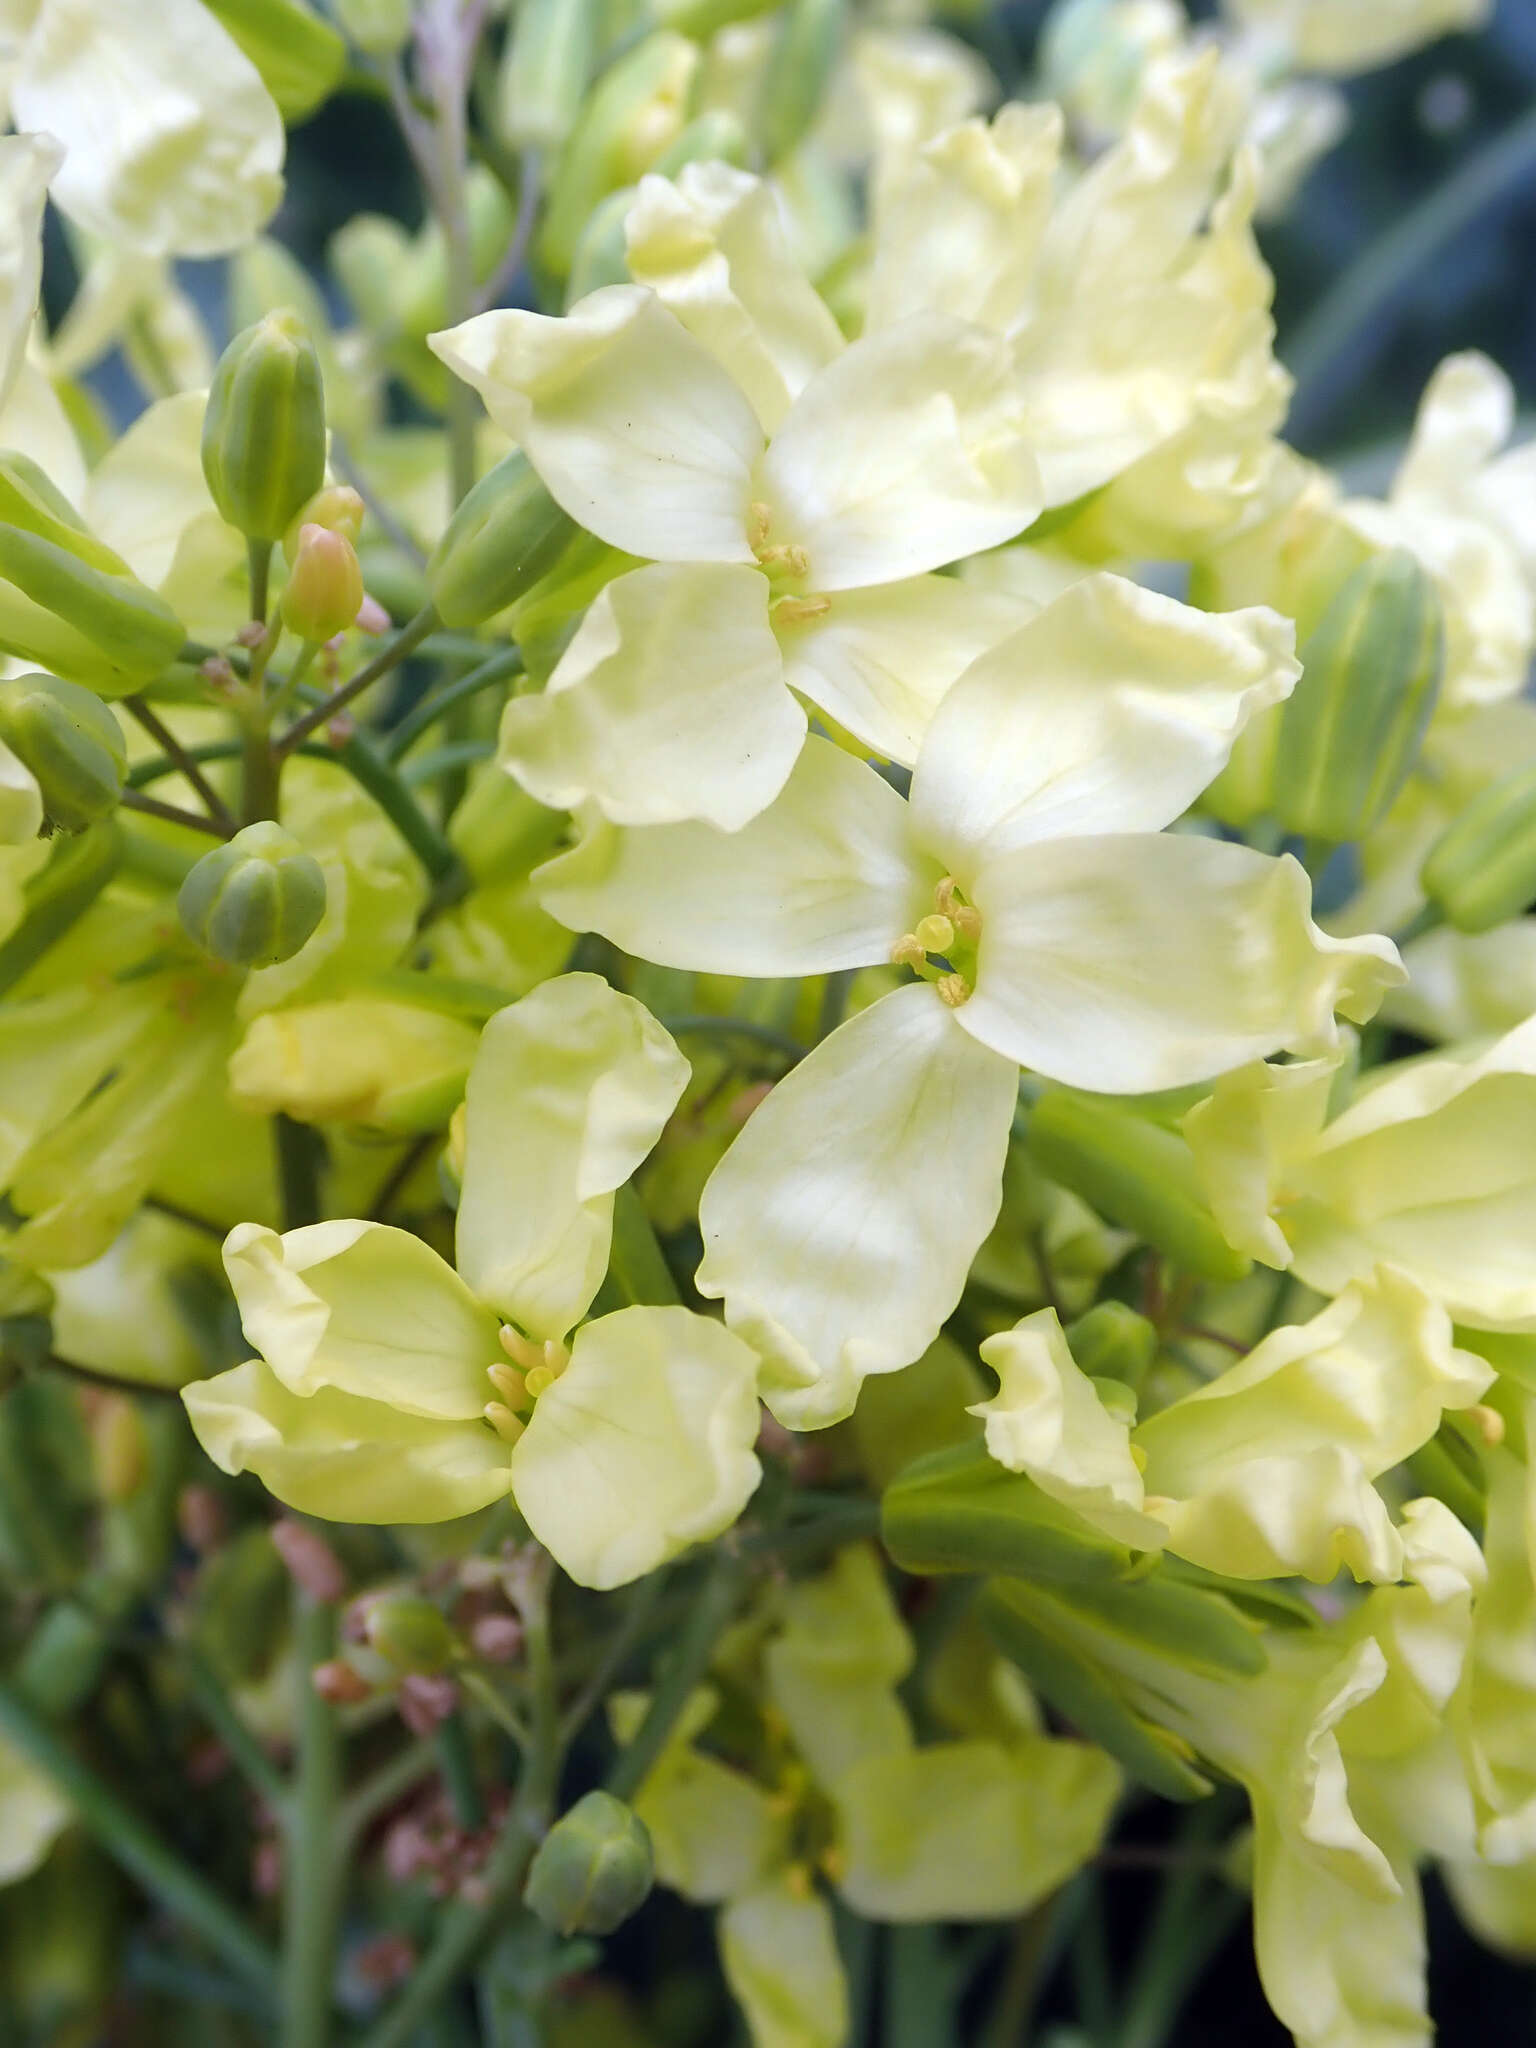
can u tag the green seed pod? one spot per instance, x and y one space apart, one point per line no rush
1134 1172
544 72
1112 1342
506 534
380 28
66 600
799 72
264 429
410 1633
1351 730
593 1869
72 744
255 901
324 587
1481 871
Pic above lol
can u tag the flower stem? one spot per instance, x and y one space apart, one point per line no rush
161 733
405 642
718 1600
507 661
312 1866
135 1848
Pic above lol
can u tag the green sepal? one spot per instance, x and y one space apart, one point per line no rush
506 534
1135 1173
958 1510
798 73
1481 871
300 58
255 900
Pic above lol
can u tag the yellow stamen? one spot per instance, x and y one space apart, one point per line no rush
540 1379
935 933
954 990
511 1384
945 895
520 1349
506 1425
794 611
966 919
759 524
1488 1423
908 952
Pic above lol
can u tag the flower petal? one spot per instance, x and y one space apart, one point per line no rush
833 1670
824 878
27 163
642 1446
343 1458
1046 1420
568 1093
1108 712
778 1949
172 143
1150 960
841 1224
879 661
903 454
712 246
366 1309
635 428
670 703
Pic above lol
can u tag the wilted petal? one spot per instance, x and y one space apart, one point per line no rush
343 1458
642 1446
568 1093
1109 711
634 427
670 703
841 1224
172 143
903 454
1147 961
824 878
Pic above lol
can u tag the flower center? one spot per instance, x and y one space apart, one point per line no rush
941 948
534 1367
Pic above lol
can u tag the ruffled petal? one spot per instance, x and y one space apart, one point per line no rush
365 1309
635 428
841 1224
568 1093
903 454
669 704
172 143
343 1458
824 878
879 661
642 1446
1147 961
712 246
1108 712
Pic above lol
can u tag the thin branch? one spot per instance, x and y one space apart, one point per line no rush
161 733
173 814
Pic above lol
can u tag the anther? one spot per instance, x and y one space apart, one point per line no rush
953 989
908 952
794 611
759 523
1488 1423
506 1425
945 896
509 1382
521 1350
967 921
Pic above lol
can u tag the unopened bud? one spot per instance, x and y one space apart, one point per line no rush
338 508
1481 871
1113 1342
410 1633
324 587
119 1455
1351 730
264 429
71 744
497 1638
593 1869
72 604
311 1561
505 535
339 1683
255 900
798 73
544 72
1133 1172
380 28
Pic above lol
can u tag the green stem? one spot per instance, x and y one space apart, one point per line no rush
636 1262
432 848
259 559
1427 918
377 1794
173 814
715 1608
218 1711
409 637
161 733
736 1027
457 1765
620 1642
312 1868
507 662
298 1177
1348 329
480 1688
135 1848
259 764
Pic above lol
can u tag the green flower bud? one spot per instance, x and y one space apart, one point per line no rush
324 587
1481 871
504 536
1134 1172
264 430
300 57
715 137
255 901
410 1633
593 1869
1351 730
67 601
799 72
702 18
71 743
380 28
337 508
544 72
1112 1342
